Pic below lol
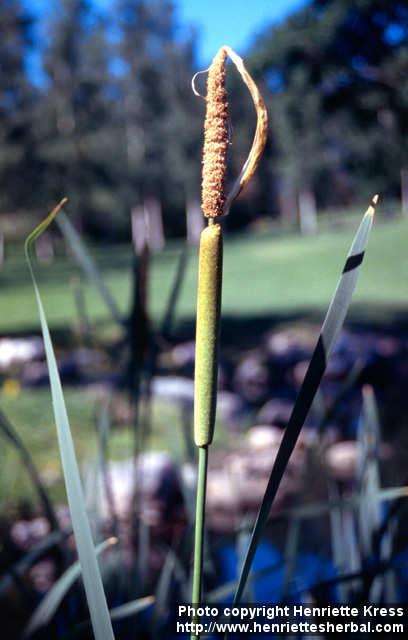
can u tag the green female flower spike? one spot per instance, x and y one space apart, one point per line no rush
208 319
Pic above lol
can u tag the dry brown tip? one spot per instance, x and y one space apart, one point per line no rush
215 139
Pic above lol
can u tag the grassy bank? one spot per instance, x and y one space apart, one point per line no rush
264 274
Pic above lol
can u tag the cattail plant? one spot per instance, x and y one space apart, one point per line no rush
215 204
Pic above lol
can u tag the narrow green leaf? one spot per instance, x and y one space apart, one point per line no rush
368 474
18 569
337 540
50 603
170 309
331 326
88 265
131 608
292 552
126 610
228 588
345 388
163 591
370 516
7 429
92 578
317 509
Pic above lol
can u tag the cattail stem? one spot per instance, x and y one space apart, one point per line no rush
199 531
205 379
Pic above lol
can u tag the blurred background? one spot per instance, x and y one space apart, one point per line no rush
96 104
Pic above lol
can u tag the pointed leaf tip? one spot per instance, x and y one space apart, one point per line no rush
373 203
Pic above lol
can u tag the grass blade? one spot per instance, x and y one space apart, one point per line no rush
349 383
336 535
169 314
103 431
291 552
7 429
131 608
163 592
50 603
86 552
369 473
331 326
122 611
43 548
85 260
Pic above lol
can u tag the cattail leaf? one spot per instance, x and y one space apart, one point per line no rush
50 603
18 569
224 591
370 512
348 384
331 326
317 509
291 552
368 473
131 608
9 432
92 578
336 534
260 136
103 425
85 260
122 611
143 549
167 322
163 591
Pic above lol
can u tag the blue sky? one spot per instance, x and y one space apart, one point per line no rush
233 22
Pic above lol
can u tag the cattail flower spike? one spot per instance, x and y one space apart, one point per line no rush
217 137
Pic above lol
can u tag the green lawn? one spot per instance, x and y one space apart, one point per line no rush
31 415
263 274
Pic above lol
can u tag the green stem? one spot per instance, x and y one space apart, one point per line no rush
199 531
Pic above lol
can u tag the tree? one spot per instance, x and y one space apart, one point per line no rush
160 115
17 175
75 135
337 72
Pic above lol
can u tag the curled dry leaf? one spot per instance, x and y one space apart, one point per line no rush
261 131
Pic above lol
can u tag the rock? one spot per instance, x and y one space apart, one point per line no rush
341 460
264 437
42 575
181 356
237 480
291 344
26 533
175 388
230 409
275 412
154 477
251 379
19 351
35 374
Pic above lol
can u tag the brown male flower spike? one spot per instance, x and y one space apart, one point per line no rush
215 139
214 201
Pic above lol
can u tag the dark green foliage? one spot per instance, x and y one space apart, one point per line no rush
112 120
337 71
16 105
